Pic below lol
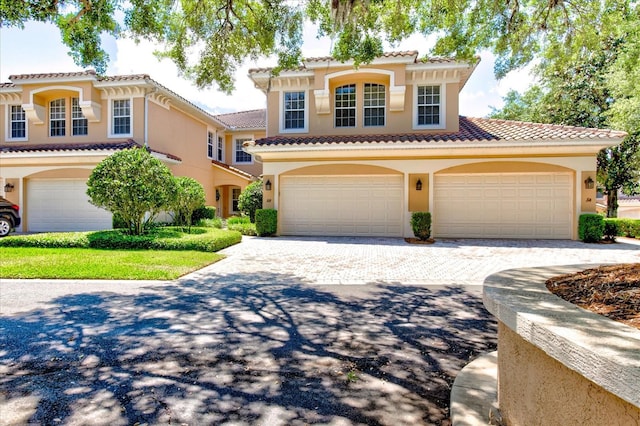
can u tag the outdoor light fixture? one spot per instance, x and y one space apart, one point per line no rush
267 185
8 187
419 185
217 195
588 183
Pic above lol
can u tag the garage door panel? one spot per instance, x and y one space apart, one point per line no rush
503 205
63 205
342 205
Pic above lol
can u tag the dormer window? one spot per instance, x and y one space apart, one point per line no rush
345 106
57 117
429 107
79 124
374 104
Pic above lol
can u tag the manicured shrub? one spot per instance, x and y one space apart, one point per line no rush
161 238
190 197
421 225
47 240
266 222
235 220
247 228
610 229
590 228
216 222
133 184
250 200
204 212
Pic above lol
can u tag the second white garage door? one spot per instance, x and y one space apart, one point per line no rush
341 205
63 205
503 206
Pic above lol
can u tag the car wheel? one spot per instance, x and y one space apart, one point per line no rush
5 227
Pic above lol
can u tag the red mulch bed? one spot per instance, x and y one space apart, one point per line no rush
612 291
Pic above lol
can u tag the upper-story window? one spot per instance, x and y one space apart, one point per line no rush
374 104
294 110
220 151
345 106
428 106
241 157
57 117
18 122
210 139
121 117
79 124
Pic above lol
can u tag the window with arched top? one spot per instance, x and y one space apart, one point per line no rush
374 104
345 106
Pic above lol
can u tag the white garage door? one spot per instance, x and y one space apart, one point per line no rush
503 206
341 205
63 205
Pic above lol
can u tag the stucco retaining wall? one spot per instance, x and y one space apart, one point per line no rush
558 363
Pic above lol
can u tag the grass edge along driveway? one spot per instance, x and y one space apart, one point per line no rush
85 263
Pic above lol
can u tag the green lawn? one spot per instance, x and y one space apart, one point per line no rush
83 263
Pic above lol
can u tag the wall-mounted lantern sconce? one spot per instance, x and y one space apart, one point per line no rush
8 187
419 185
217 195
267 185
588 183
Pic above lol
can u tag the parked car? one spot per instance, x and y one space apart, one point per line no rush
9 216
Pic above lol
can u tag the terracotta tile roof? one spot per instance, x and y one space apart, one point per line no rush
88 146
253 119
7 85
406 53
233 169
471 130
52 75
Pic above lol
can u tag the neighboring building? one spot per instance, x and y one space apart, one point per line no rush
353 151
628 205
55 128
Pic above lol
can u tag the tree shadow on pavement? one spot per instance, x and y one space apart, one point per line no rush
241 350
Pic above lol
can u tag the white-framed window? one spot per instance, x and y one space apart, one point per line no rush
210 142
235 196
17 128
121 117
241 157
79 124
294 112
345 106
374 104
57 117
429 106
220 149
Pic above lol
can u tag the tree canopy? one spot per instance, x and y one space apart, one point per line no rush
209 39
595 88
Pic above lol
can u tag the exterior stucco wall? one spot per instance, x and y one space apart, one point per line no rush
429 167
559 364
535 389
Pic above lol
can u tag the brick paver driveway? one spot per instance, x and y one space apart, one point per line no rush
265 336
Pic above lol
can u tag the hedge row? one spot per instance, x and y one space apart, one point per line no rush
167 238
624 227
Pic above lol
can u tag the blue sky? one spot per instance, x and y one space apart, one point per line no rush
37 49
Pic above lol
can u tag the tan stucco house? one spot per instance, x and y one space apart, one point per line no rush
55 128
354 151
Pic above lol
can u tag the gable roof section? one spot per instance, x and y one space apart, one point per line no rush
78 147
253 119
473 131
228 168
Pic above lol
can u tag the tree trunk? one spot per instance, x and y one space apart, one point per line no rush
612 203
